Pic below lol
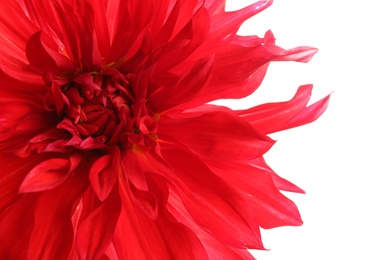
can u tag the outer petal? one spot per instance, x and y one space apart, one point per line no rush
212 203
279 182
271 207
225 25
239 65
273 117
217 136
214 248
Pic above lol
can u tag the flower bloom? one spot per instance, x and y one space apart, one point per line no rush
109 148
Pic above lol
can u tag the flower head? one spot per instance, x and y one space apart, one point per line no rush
108 147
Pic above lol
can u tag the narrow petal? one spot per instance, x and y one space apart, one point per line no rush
226 24
309 114
273 117
271 207
280 183
214 248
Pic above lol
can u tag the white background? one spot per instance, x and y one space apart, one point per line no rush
341 160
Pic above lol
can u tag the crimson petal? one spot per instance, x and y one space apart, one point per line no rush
213 204
273 117
52 236
46 175
96 231
104 172
218 136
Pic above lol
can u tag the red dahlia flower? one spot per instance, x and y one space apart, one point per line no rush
108 149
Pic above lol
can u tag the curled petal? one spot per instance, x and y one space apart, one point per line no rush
273 117
104 173
46 175
42 58
226 24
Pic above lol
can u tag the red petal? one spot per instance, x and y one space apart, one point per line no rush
188 87
42 58
13 41
52 236
19 70
13 171
46 175
215 206
309 114
273 117
215 6
280 183
271 207
16 224
95 233
104 173
11 113
138 237
186 42
217 136
180 239
225 25
214 248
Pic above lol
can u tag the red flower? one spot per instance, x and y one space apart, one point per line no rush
108 149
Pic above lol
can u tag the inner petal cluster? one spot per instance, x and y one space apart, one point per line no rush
101 106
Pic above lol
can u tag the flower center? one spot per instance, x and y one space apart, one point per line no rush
103 107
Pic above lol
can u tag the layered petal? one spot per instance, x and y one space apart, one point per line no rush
218 136
212 203
52 235
163 238
271 207
96 231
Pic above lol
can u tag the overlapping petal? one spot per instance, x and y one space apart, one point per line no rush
217 136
